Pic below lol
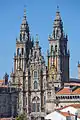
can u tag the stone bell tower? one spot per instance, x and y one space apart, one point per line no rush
58 55
23 46
58 62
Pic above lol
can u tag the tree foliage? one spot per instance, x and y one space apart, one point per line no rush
22 117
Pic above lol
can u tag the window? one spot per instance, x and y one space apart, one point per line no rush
78 96
22 51
35 80
23 36
35 54
20 37
35 74
33 107
51 48
36 104
70 97
18 51
57 105
35 85
38 107
42 118
58 86
55 48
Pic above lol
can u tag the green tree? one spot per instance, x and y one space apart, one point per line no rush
22 117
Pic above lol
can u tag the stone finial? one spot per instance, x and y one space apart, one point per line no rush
6 76
32 41
57 7
37 41
37 38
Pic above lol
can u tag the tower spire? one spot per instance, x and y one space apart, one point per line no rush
58 26
24 16
58 17
24 30
24 12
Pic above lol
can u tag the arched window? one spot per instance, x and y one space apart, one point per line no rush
20 37
38 107
35 85
22 51
36 104
18 51
34 107
51 48
23 36
55 48
35 74
35 54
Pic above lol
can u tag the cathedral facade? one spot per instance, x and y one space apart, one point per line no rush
37 82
